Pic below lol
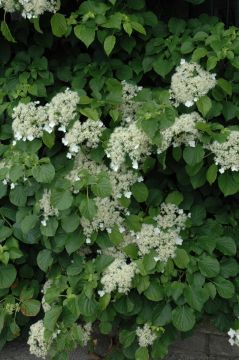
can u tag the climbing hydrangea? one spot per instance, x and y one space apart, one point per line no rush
233 337
183 131
62 110
46 307
28 121
146 336
129 106
46 207
30 9
190 82
118 276
87 133
38 346
108 214
163 236
120 181
129 141
226 154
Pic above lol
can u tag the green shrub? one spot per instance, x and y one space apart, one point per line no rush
119 176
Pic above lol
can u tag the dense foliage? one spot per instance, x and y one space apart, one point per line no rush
119 176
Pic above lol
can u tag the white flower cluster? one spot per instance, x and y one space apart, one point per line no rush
85 332
121 181
10 5
233 337
30 9
38 345
146 336
30 120
189 83
46 307
62 110
118 276
87 133
108 214
131 141
11 308
164 236
46 207
129 106
183 131
226 154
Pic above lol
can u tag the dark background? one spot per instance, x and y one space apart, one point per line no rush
226 10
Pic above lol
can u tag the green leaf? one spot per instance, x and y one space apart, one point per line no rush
28 223
44 259
142 354
74 242
211 62
88 208
7 32
8 275
36 24
187 47
115 236
5 232
181 259
204 105
225 288
208 266
195 297
58 24
198 214
49 139
138 27
226 245
70 223
183 318
102 262
134 222
176 25
207 243
175 197
61 200
229 267
162 67
199 53
88 307
127 28
193 155
227 184
140 192
126 337
162 316
225 85
18 196
30 307
212 174
51 317
103 187
16 172
44 173
76 267
109 44
50 228
154 292
85 34
27 293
